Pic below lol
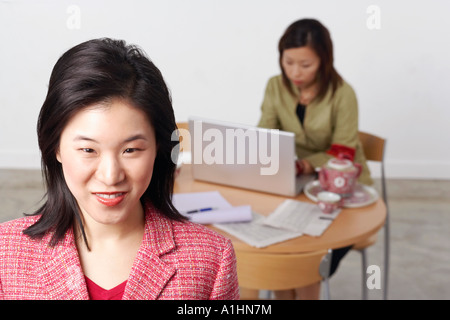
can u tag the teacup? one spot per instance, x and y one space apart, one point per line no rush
339 176
328 201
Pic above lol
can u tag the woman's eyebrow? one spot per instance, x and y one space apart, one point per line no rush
132 138
84 138
136 137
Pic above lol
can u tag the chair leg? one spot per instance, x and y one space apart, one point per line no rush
386 235
265 294
326 286
365 292
324 271
386 256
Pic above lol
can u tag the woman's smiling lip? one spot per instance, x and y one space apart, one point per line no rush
110 199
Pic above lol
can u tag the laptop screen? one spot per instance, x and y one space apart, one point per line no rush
243 156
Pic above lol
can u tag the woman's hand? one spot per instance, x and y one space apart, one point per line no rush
303 167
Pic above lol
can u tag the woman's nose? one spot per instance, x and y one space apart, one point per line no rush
296 71
110 171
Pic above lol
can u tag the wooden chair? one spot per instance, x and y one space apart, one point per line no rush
374 148
264 271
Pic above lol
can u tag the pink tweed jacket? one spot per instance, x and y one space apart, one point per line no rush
175 261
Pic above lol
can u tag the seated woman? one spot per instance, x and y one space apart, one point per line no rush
312 100
108 228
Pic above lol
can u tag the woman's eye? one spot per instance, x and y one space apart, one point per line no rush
130 150
88 150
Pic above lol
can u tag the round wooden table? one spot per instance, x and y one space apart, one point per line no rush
351 226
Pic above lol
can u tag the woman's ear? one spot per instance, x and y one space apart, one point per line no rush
58 156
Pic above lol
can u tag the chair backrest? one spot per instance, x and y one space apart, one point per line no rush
280 271
373 146
185 142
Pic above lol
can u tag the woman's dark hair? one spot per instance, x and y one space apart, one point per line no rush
92 72
311 33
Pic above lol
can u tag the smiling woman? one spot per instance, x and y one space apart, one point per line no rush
108 228
107 152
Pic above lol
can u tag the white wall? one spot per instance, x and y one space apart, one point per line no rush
216 57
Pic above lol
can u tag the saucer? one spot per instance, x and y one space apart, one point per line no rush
362 196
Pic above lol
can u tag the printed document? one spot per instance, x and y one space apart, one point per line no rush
289 220
256 233
300 216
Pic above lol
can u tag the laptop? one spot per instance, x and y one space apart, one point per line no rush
245 156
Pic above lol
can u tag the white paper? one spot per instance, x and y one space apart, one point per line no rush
256 234
233 214
222 211
299 216
194 200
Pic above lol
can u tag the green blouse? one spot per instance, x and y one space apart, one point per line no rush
332 120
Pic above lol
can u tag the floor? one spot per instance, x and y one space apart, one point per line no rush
420 237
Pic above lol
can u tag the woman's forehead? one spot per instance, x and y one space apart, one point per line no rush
117 119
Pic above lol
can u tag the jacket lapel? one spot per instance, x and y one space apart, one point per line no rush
295 121
61 273
150 274
148 277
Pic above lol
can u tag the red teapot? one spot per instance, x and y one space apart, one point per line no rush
339 175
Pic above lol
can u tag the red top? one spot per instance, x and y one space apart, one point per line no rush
98 293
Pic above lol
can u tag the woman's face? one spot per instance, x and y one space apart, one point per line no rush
107 152
301 66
